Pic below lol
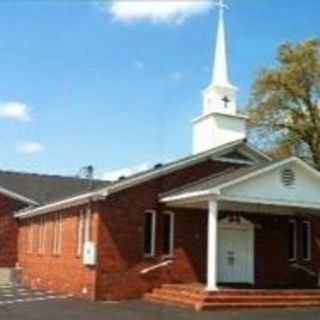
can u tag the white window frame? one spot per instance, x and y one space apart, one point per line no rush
60 232
40 239
153 233
295 240
309 231
44 235
87 224
81 223
57 234
30 237
171 235
84 229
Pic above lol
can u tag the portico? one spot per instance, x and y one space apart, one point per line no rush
285 188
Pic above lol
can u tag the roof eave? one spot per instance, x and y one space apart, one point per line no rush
16 196
59 205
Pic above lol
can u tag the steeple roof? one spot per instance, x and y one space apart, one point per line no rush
220 76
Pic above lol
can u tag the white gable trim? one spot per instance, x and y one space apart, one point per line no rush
218 190
272 202
16 196
267 169
260 153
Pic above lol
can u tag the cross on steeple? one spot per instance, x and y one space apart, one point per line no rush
220 4
226 101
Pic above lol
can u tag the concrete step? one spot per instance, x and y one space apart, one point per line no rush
9 276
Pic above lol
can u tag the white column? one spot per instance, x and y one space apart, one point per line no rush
212 265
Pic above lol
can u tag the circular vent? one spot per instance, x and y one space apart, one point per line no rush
288 177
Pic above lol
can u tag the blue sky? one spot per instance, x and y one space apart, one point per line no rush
84 84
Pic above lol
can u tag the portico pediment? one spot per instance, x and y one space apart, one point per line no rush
288 183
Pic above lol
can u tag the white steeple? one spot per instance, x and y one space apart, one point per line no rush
219 123
221 95
220 75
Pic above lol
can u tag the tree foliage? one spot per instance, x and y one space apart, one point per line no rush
285 103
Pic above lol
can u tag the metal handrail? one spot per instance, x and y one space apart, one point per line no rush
156 266
305 269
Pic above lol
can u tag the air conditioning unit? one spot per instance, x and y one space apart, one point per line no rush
90 253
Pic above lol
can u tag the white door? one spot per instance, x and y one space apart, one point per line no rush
236 252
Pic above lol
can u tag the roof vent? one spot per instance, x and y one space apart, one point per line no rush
158 165
122 178
288 177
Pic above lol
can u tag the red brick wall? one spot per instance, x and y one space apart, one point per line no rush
119 239
271 241
64 273
8 232
121 245
272 267
122 258
118 228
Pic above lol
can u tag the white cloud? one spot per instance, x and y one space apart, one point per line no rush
17 111
116 174
157 11
30 147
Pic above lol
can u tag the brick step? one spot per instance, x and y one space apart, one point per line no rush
199 299
254 305
167 295
236 296
222 305
246 292
261 298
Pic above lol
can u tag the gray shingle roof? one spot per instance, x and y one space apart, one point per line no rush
216 180
45 189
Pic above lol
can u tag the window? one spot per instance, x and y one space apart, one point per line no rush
168 234
30 237
39 234
57 234
292 243
81 219
84 229
306 240
87 226
42 235
149 233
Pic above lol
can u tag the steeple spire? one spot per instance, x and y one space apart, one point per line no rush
219 123
220 71
221 94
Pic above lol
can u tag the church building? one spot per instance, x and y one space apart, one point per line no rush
226 226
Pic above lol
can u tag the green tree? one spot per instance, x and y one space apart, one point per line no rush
284 107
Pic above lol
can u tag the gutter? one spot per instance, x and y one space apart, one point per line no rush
60 205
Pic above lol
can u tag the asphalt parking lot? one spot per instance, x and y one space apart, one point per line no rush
26 304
